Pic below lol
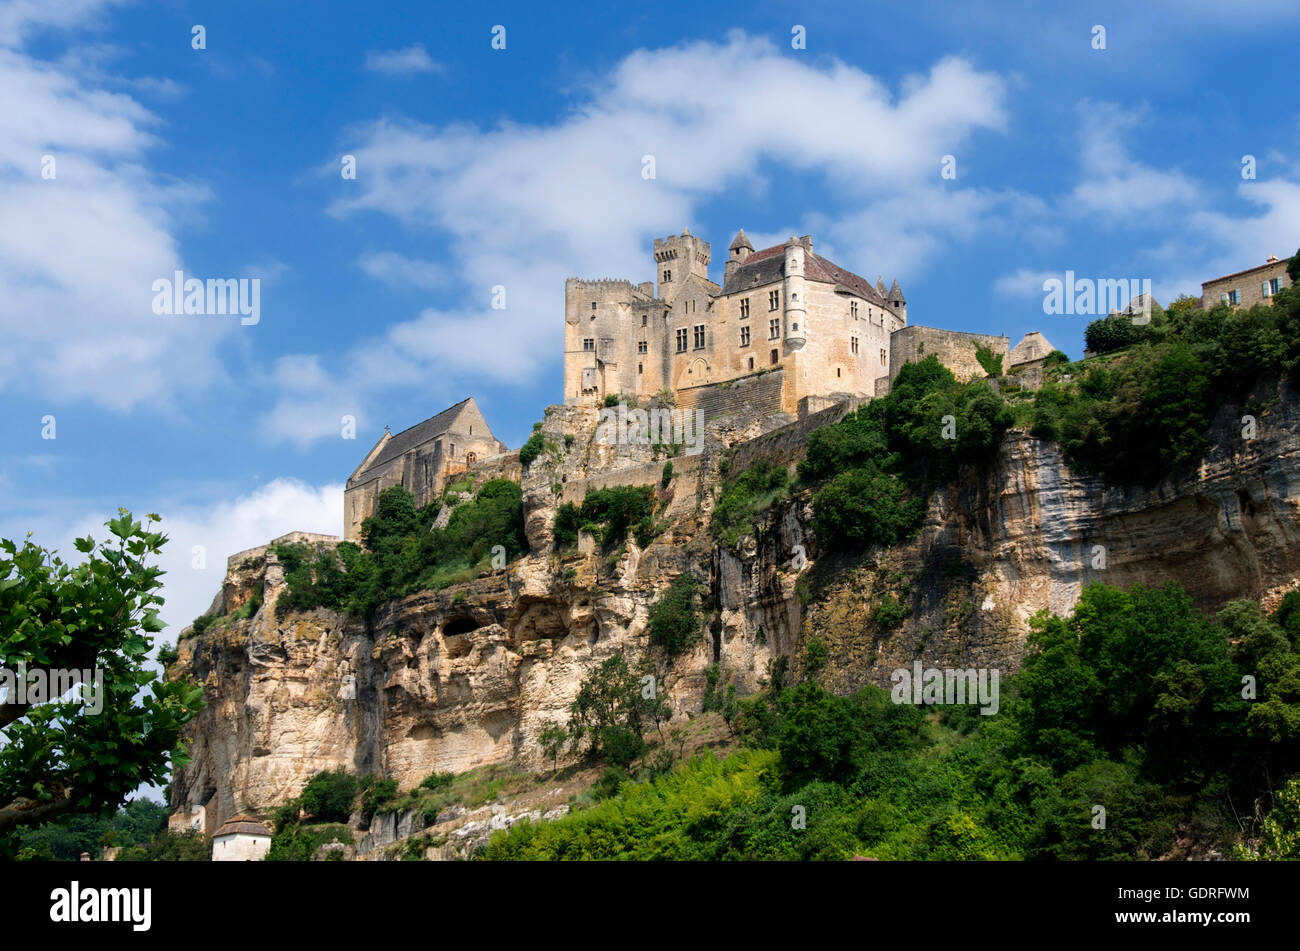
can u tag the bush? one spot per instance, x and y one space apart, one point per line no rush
608 514
328 796
530 450
747 494
674 623
862 507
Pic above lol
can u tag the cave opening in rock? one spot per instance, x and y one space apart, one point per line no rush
459 626
1247 506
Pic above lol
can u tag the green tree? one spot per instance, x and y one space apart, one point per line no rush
66 756
614 707
552 737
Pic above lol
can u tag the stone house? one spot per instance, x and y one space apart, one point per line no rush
241 839
1249 287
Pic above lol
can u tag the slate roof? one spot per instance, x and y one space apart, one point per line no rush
408 439
768 267
245 824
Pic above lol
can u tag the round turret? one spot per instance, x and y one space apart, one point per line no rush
795 294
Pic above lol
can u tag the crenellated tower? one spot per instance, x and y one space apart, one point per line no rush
677 257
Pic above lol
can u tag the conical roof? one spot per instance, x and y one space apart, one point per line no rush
740 242
896 293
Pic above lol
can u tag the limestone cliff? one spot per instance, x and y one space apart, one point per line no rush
453 679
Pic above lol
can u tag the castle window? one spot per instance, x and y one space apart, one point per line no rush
837 371
884 357
744 336
853 309
751 363
593 305
589 344
668 276
453 449
774 357
471 430
774 328
773 300
699 336
681 340
853 344
642 346
644 319
640 368
744 308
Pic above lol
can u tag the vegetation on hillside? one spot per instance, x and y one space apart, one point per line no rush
1146 413
404 553
1134 703
874 469
608 515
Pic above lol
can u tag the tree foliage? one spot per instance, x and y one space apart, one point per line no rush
100 615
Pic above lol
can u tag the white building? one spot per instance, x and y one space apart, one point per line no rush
241 839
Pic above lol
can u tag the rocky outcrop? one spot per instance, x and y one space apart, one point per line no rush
454 679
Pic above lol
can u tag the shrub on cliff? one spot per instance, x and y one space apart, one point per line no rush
879 463
746 495
674 624
613 710
608 514
530 450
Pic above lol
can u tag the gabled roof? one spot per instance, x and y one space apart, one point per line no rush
768 267
401 443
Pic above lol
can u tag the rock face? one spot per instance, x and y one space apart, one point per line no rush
466 676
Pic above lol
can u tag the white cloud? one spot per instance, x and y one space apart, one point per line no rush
79 252
413 59
1249 239
1023 283
525 206
220 529
1114 183
393 268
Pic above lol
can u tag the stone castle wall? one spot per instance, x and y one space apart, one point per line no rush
954 348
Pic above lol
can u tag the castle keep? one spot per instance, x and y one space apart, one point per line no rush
824 333
824 329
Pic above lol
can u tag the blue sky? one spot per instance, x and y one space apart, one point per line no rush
519 167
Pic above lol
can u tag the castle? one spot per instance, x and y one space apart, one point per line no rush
827 333
784 309
787 332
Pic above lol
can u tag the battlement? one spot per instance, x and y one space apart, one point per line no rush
598 282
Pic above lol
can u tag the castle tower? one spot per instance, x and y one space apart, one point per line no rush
795 292
897 301
740 251
677 258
